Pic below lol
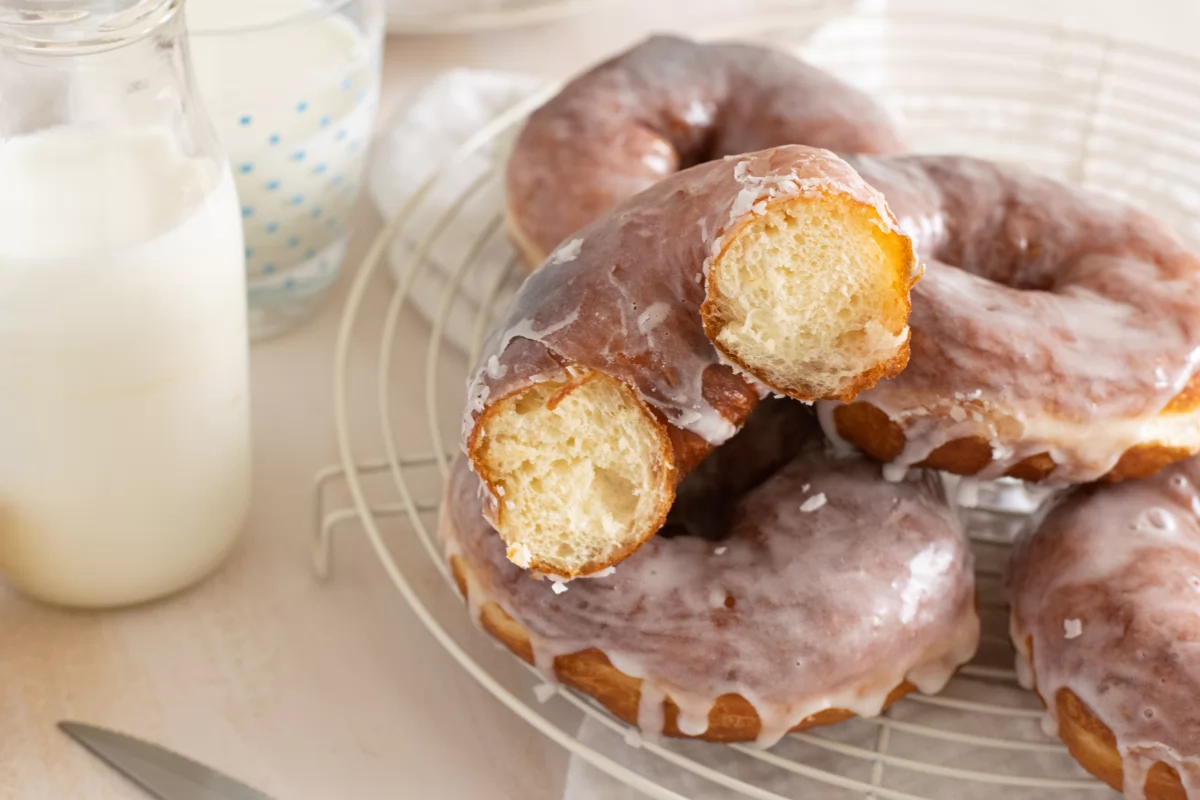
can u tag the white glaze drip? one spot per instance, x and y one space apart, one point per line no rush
479 386
1105 590
623 296
652 317
797 613
568 251
1068 324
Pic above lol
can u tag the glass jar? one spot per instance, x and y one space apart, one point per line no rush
124 408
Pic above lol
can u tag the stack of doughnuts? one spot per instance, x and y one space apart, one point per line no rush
648 510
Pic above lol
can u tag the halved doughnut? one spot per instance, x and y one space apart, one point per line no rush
604 387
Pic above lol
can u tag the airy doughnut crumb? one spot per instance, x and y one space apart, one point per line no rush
575 427
813 293
572 459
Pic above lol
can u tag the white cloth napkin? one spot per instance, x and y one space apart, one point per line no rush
444 114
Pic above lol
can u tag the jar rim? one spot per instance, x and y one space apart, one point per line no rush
317 11
51 27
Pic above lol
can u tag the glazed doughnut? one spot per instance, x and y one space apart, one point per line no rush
831 593
665 105
1055 334
1106 621
645 340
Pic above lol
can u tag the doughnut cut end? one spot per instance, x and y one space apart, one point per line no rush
812 297
580 469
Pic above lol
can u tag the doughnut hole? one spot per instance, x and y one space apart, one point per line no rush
811 297
580 469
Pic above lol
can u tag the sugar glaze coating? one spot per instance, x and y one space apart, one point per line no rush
806 606
623 295
665 105
1050 320
1107 591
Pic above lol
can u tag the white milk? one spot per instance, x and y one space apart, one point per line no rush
293 94
124 427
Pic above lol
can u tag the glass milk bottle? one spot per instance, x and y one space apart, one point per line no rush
124 426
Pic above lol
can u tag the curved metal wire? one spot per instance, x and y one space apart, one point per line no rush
1114 116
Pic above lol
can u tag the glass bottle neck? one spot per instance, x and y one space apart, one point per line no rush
75 27
119 65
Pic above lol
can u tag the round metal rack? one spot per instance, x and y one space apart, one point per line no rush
1110 115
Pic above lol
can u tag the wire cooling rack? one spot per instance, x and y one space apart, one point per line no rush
1113 116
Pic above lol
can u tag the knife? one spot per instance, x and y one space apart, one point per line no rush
165 775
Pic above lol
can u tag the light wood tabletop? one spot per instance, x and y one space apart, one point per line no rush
326 690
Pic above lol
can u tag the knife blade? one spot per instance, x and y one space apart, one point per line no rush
162 773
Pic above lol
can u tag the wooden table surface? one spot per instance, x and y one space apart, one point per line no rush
311 690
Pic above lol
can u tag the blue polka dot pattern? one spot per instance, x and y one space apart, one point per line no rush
292 236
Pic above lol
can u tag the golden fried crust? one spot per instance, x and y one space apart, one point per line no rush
1187 400
871 430
732 719
1094 746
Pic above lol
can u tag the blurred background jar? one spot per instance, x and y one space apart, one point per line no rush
124 410
293 89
